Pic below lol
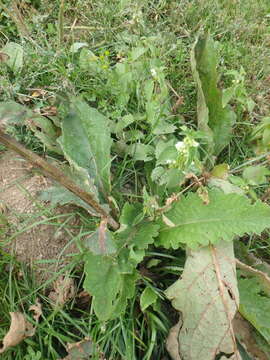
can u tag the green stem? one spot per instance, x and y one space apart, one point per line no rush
61 23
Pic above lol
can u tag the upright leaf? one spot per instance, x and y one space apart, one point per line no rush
101 241
86 142
103 281
109 287
214 119
194 223
207 297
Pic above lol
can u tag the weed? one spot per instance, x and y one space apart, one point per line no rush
134 68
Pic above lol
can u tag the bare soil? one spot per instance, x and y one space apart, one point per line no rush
34 234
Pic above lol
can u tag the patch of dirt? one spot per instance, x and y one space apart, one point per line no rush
34 231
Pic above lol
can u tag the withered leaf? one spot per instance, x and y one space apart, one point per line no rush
63 291
19 329
82 350
207 297
37 309
3 57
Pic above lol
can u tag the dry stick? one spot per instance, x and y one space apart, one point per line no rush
264 277
57 175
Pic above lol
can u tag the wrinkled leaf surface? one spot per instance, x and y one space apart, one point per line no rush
207 297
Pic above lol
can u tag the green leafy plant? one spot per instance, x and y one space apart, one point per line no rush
175 158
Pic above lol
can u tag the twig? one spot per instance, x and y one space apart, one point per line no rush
264 277
56 174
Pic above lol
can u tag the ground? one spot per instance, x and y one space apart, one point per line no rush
33 236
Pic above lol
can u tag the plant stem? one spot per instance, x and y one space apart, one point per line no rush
61 23
56 174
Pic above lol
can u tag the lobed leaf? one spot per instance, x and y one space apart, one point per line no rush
109 287
227 215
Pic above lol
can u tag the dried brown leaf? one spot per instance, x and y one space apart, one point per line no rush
82 350
37 309
63 291
207 297
172 344
38 93
49 111
19 329
3 57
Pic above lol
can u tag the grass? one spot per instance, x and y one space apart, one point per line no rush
112 30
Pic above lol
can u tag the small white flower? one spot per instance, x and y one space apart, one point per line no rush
180 146
153 72
168 162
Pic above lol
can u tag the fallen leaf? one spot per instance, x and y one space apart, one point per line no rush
38 93
63 291
203 194
207 297
37 309
82 350
4 57
83 300
48 111
172 344
19 329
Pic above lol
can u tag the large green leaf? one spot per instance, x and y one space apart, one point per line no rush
86 142
255 305
109 287
59 195
14 54
12 113
214 119
194 223
103 281
134 237
207 297
110 266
